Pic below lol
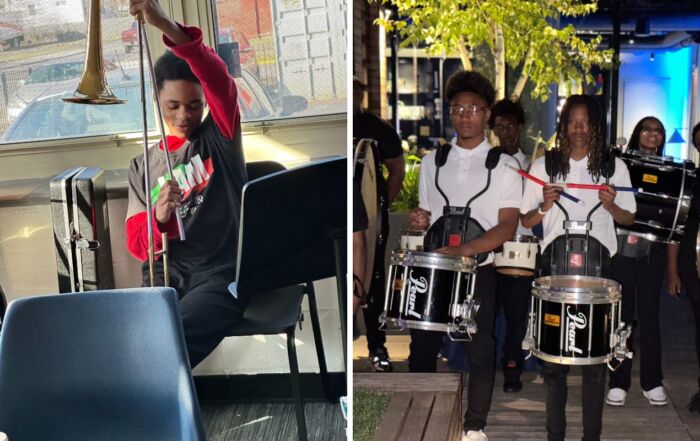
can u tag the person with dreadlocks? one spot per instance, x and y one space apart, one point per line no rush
578 158
639 268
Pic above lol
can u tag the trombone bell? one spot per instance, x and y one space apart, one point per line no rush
93 88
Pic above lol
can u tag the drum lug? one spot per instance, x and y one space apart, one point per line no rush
620 350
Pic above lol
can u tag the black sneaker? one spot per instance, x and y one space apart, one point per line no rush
694 405
380 360
511 379
512 385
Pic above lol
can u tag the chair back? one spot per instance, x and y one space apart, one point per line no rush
104 365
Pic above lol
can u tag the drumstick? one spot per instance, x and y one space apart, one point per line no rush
599 187
538 181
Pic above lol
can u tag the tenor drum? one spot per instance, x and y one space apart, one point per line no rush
519 256
433 290
663 197
573 319
411 239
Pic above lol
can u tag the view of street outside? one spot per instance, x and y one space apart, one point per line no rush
295 70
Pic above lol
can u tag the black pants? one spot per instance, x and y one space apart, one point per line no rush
481 352
641 280
377 286
592 397
209 310
513 298
691 283
592 390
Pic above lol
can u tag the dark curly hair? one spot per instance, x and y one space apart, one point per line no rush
634 138
696 129
468 81
507 107
596 135
170 67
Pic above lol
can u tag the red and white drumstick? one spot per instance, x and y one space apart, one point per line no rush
539 181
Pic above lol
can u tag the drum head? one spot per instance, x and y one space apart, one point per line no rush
439 261
576 289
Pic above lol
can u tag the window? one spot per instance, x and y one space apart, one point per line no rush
297 70
289 54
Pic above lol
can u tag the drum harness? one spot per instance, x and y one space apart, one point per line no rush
455 227
552 167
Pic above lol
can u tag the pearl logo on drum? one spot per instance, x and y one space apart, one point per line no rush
420 286
574 322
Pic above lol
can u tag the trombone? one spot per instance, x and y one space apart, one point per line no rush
93 89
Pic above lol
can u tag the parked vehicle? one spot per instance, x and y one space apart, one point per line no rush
48 117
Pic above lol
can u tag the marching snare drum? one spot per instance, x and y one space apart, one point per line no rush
434 290
574 319
519 256
663 197
411 239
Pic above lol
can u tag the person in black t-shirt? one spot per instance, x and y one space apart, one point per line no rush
208 177
682 266
390 153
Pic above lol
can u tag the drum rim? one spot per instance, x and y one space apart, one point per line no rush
611 285
429 326
598 298
440 261
524 238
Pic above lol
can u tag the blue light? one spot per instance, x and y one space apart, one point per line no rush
658 88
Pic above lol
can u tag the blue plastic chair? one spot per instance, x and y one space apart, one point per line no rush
98 366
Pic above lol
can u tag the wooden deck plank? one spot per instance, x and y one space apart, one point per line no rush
417 419
390 426
408 382
441 418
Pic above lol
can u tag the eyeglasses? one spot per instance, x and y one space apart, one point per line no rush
647 130
469 110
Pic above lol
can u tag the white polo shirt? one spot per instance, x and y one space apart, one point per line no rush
464 175
603 227
523 160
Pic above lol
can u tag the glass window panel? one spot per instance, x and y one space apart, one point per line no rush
288 56
42 60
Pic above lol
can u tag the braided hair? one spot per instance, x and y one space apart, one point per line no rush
596 137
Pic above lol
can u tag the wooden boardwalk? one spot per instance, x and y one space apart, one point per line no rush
423 407
521 416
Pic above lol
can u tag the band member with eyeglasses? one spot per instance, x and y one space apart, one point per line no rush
512 291
581 158
209 174
639 268
390 154
463 175
507 122
683 266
